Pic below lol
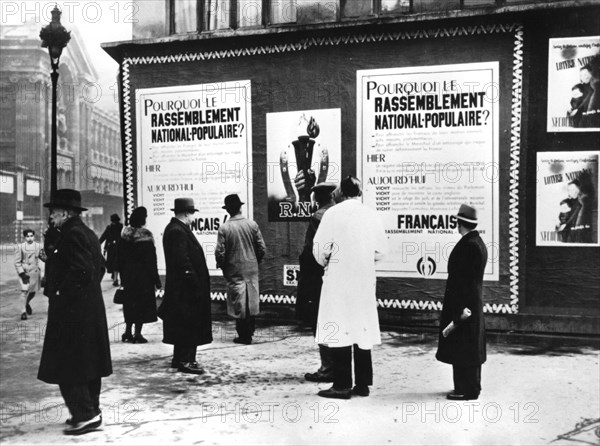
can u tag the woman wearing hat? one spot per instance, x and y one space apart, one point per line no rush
110 237
139 275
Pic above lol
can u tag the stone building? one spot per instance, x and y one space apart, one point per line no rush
88 138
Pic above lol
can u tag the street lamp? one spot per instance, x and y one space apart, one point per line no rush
54 37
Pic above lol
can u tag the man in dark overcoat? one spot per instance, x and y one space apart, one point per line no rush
76 352
310 280
464 347
186 306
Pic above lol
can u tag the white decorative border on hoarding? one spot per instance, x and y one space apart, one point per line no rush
303 44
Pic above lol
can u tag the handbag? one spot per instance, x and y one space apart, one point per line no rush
120 296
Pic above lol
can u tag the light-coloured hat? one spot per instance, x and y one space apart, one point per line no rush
467 213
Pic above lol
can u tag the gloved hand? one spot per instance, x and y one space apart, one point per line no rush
24 277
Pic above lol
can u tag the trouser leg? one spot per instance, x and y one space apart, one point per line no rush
79 400
326 360
24 300
342 367
95 387
363 367
467 380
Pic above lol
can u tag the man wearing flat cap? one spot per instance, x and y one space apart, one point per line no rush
310 280
462 327
240 248
186 305
76 352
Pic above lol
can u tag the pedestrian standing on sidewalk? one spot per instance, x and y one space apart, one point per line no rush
27 258
349 241
240 248
310 280
111 237
186 305
139 276
76 351
464 347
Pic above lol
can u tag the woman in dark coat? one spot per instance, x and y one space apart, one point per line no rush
139 275
110 237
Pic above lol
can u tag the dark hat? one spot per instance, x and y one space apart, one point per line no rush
115 217
232 201
467 213
66 199
184 205
324 187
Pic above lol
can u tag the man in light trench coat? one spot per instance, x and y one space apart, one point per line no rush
349 241
240 248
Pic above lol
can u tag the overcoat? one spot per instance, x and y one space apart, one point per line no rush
139 274
110 237
27 260
240 248
349 241
76 345
186 305
465 346
310 278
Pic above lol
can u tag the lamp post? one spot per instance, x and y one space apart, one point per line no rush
54 37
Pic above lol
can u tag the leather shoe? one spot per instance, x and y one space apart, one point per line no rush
461 397
340 394
28 309
318 377
127 337
190 367
83 427
361 391
24 316
139 339
246 341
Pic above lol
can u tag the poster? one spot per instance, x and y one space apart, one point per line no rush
303 149
573 77
427 141
194 141
567 199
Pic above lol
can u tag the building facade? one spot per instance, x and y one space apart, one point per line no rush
430 103
88 138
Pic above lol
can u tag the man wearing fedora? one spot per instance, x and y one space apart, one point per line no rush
186 307
310 280
240 248
464 347
76 351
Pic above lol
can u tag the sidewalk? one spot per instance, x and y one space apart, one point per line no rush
257 394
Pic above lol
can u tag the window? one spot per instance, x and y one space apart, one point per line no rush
395 6
249 13
434 5
217 14
186 14
357 8
7 184
283 11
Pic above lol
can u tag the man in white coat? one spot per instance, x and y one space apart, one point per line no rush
349 241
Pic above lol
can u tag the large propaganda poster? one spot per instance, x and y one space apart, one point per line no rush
194 141
573 83
303 149
567 199
427 141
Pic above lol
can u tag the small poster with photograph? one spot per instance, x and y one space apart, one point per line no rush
567 199
574 84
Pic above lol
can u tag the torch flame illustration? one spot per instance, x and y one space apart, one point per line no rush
313 129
